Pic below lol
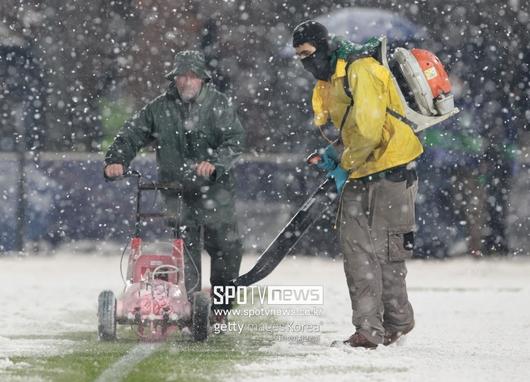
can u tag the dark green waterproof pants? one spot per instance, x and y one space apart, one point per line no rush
222 243
210 224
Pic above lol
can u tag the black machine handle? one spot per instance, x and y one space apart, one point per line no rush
166 186
313 158
318 203
143 185
147 185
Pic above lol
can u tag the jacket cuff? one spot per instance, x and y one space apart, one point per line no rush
115 160
219 172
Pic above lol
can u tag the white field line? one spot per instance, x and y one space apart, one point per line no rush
121 368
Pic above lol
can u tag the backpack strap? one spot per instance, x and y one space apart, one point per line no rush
347 90
393 113
346 83
402 118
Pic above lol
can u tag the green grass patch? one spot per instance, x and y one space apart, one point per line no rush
198 362
179 359
84 358
84 361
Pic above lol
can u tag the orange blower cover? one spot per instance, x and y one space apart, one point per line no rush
433 71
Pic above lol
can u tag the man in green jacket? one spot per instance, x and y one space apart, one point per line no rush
198 137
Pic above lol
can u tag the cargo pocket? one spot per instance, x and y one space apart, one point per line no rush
400 245
394 206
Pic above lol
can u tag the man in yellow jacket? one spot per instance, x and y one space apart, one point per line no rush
373 167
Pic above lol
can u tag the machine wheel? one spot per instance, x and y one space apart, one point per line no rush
107 316
200 316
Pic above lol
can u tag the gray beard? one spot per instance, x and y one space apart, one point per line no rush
187 98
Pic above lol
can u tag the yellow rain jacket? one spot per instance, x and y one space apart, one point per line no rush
373 139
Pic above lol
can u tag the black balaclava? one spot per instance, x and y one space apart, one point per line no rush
318 63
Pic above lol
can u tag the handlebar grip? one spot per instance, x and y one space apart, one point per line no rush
313 158
127 174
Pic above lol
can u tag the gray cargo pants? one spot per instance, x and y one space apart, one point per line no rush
376 224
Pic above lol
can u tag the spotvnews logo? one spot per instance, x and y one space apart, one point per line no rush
271 295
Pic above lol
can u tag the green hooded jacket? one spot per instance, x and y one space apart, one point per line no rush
184 134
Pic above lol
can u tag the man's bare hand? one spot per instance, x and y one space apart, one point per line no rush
114 170
205 169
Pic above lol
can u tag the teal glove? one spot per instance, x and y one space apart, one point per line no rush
329 159
340 176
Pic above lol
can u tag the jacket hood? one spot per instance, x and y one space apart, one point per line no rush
189 60
341 48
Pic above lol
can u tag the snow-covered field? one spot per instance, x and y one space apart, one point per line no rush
472 319
472 324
